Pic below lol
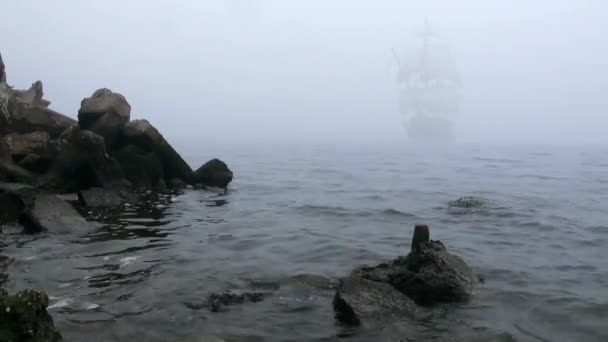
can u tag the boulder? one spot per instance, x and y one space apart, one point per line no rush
431 275
83 163
104 113
359 300
145 136
142 168
427 275
100 198
214 173
49 213
24 317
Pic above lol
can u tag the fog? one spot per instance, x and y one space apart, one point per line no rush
277 70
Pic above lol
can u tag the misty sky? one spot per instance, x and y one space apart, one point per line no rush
316 70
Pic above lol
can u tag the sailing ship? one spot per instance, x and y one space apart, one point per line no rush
429 88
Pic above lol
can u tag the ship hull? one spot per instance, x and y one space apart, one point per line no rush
424 127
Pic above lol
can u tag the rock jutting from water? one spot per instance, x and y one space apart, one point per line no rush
428 275
23 317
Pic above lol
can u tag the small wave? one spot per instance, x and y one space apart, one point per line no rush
542 177
346 212
496 160
598 229
395 212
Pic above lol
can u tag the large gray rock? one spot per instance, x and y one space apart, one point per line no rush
142 134
32 97
50 213
214 173
39 211
358 301
104 113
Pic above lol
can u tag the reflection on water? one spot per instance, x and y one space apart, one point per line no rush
292 228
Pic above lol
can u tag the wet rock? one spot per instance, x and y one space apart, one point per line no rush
214 173
359 300
104 113
24 317
48 212
100 198
12 207
145 136
35 163
430 275
468 202
143 169
216 301
427 275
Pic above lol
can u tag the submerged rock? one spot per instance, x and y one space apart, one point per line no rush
359 300
216 301
427 275
214 173
24 317
468 202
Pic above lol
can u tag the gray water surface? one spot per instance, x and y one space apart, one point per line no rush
299 217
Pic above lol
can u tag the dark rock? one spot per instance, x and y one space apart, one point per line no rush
214 173
35 163
104 113
427 275
359 300
142 134
84 163
430 275
177 183
100 198
11 171
23 317
468 202
421 235
12 207
143 169
216 301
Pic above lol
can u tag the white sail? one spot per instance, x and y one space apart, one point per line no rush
428 79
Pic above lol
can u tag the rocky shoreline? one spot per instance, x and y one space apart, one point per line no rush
103 157
106 161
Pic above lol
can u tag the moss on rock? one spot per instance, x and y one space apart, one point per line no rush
23 317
